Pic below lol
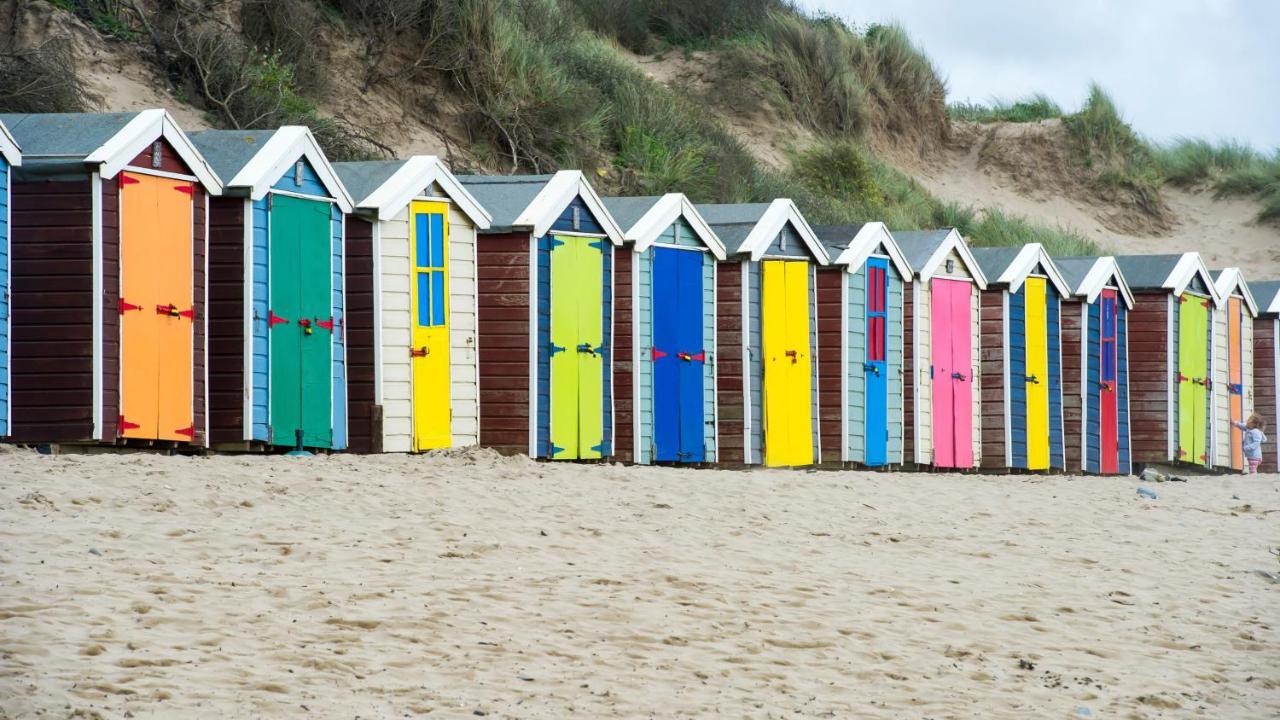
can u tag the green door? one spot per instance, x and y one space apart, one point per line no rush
301 321
577 342
1193 378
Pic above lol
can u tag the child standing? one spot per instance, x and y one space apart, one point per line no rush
1253 439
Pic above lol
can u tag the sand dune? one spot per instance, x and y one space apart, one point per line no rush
466 584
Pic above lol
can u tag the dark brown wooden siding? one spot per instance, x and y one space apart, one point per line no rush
830 369
623 358
1264 385
199 249
909 378
1149 377
169 160
1072 407
226 320
364 417
51 301
729 398
110 303
503 324
993 353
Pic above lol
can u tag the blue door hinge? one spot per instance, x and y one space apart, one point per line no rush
555 243
556 449
599 245
556 348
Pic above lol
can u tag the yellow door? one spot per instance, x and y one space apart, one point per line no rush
429 352
784 326
1037 380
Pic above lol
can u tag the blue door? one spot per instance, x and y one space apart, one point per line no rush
678 356
875 367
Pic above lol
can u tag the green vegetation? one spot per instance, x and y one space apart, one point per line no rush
106 16
1029 109
42 79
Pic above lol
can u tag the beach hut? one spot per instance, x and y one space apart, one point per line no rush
10 157
942 318
413 366
861 345
1095 366
1022 425
107 307
546 312
767 333
665 351
1169 364
1266 368
1233 367
277 361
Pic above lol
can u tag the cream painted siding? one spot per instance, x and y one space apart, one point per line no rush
1221 415
923 383
396 319
975 337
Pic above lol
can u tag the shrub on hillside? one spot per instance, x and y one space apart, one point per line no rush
1029 109
42 79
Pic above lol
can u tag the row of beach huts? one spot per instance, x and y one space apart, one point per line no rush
235 290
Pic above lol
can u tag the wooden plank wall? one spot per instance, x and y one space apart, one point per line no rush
1264 378
1149 347
110 429
729 361
51 300
1072 400
226 320
365 426
830 368
909 375
994 355
624 357
504 286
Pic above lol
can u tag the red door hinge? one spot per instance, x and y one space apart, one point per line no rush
326 324
700 356
126 180
188 431
658 353
126 425
188 189
274 319
127 306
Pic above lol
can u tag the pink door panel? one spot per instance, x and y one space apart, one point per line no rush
943 402
962 359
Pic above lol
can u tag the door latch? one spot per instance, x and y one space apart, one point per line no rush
419 352
793 355
1032 379
958 376
306 325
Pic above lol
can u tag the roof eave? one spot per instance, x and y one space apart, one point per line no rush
407 182
545 208
281 150
148 125
868 237
780 212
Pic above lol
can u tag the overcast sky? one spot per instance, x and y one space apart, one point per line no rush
1202 68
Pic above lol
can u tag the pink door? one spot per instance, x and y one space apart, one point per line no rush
952 339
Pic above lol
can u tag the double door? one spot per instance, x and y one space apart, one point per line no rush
1107 392
1235 378
156 308
875 366
788 384
679 356
429 348
577 347
951 332
1036 376
1193 378
300 321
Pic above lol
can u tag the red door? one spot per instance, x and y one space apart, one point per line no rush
1107 391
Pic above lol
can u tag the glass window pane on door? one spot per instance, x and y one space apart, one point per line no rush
437 241
422 236
425 299
437 297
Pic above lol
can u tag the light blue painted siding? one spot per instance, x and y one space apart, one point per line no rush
1016 413
787 243
1122 383
1092 428
709 343
813 366
896 368
755 373
1053 324
644 367
339 333
308 183
855 375
4 297
261 305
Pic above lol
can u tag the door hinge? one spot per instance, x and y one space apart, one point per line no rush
188 431
123 425
188 189
126 180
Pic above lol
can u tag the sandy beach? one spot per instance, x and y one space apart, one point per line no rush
465 584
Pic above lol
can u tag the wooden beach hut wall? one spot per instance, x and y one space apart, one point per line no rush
1095 366
546 312
1233 367
767 333
412 343
1170 363
861 345
107 308
664 367
1022 417
10 157
944 367
277 303
1266 367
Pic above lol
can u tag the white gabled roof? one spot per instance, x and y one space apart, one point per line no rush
780 212
870 236
1031 255
666 211
1231 280
953 241
9 147
278 154
416 173
558 192
1104 271
139 133
1189 265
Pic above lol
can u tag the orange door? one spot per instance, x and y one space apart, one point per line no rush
1235 380
156 308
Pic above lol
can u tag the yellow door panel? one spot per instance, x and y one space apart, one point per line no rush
776 363
429 352
1037 380
800 384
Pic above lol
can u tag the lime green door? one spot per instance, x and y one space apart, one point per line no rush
1193 378
301 321
577 344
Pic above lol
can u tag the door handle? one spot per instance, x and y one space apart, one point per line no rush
1107 386
1032 379
871 367
793 355
587 349
958 376
306 325
419 352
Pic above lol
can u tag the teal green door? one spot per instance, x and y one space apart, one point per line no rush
301 322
